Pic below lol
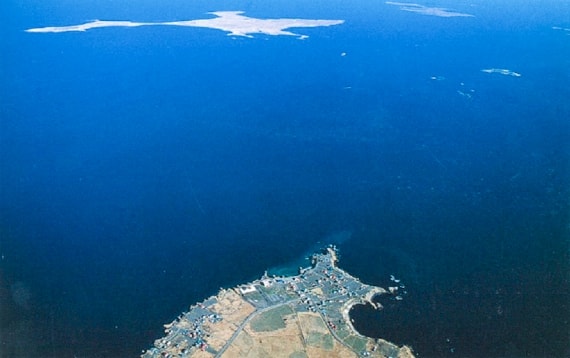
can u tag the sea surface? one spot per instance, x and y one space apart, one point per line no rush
141 169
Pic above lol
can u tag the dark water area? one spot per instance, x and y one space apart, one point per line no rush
141 169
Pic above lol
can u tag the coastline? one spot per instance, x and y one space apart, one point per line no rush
308 314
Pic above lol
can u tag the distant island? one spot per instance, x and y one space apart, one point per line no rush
233 22
501 71
300 316
427 10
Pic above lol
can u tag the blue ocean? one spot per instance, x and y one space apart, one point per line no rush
143 168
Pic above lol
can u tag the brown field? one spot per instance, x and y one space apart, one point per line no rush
304 335
235 310
232 307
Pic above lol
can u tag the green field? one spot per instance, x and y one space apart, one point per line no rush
357 344
271 320
320 340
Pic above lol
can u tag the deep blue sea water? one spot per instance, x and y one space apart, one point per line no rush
141 169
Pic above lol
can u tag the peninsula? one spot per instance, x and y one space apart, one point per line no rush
300 316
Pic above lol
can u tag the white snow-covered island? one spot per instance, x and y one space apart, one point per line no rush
233 22
428 10
501 71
